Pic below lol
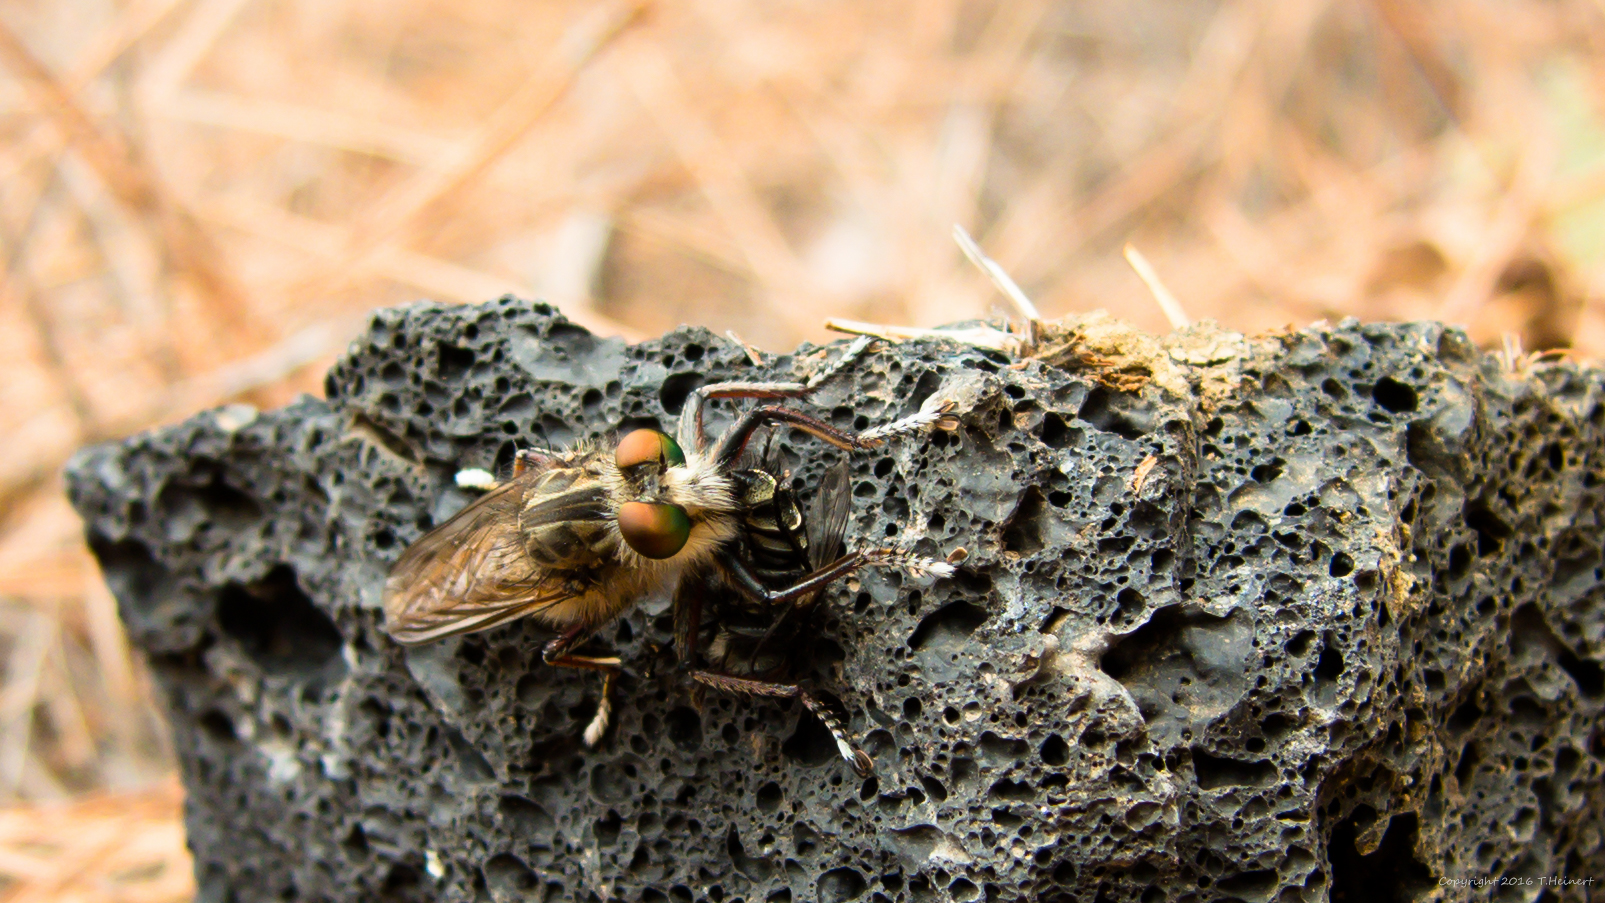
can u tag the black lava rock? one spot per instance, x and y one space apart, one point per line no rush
1309 616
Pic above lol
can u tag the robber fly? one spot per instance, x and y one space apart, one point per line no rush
575 538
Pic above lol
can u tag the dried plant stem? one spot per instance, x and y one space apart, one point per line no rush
396 216
132 181
1167 302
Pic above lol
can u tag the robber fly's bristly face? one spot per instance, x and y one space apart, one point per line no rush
668 508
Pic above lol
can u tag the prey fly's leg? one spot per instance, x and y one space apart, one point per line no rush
826 713
556 653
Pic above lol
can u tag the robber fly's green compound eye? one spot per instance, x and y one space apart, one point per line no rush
654 530
671 451
643 446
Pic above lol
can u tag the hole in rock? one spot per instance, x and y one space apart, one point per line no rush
206 497
1002 751
1470 756
677 388
1099 410
526 818
916 842
1342 565
684 727
1055 751
280 628
218 726
1216 771
507 874
1388 874
400 882
1265 473
1330 665
470 761
1530 635
841 884
810 744
941 636
1254 885
1023 533
1055 433
138 581
745 864
949 625
452 362
1465 715
1394 396
376 433
1491 530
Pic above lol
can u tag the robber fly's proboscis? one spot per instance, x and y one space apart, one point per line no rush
574 538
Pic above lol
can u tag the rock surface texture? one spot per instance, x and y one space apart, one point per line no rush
1308 616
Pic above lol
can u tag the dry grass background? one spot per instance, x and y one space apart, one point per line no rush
200 199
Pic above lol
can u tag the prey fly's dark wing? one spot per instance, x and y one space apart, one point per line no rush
827 517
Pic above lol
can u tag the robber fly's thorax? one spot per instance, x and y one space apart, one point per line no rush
565 519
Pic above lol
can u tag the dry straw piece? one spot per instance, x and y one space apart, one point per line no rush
200 200
127 848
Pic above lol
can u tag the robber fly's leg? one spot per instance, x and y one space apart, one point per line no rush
556 653
841 567
933 414
604 712
860 761
749 585
854 352
690 432
826 713
687 624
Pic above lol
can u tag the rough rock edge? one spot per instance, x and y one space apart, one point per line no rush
1296 616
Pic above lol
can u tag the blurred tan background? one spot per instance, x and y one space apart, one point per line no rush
200 199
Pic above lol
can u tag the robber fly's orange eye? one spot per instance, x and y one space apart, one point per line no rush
654 530
643 446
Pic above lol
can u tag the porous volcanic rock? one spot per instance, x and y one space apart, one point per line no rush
1307 616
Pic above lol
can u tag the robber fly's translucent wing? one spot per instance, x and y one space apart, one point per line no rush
469 573
827 517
